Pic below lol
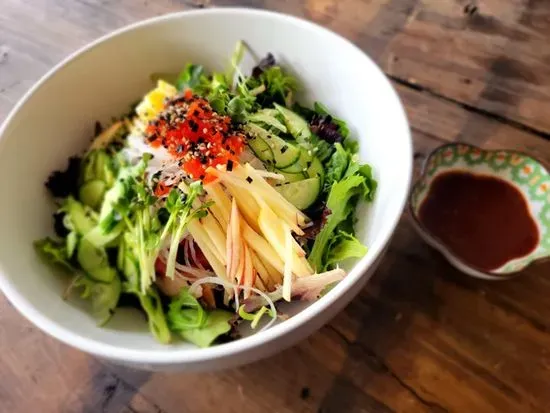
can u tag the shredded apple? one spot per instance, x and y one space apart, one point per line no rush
195 135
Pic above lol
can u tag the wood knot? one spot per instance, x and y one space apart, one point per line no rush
470 9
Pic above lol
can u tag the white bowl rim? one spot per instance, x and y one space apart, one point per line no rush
194 355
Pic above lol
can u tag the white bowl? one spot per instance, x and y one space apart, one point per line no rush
55 120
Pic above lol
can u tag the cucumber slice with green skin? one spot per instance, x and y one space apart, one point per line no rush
103 274
98 165
94 262
91 193
98 238
80 217
120 255
291 177
284 153
308 165
261 149
301 194
301 165
71 243
111 198
296 125
131 271
268 116
316 169
104 297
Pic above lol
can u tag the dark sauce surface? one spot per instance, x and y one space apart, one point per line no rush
483 220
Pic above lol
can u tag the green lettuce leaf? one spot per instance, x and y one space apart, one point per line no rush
342 200
103 296
190 77
54 252
344 246
185 312
217 324
152 305
337 166
187 317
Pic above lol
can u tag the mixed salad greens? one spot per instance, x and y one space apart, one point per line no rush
216 197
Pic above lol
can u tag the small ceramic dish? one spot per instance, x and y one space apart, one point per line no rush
527 174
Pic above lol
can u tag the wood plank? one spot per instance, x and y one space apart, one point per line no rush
490 54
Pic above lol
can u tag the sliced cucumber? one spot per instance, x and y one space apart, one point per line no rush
97 237
261 149
131 271
103 274
301 165
71 243
121 254
91 193
297 126
291 177
284 153
80 217
105 298
268 117
316 169
301 194
98 165
111 198
94 262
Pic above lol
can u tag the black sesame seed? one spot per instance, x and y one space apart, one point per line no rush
229 165
249 180
308 164
201 177
284 149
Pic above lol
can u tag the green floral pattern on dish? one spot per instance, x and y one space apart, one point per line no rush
526 173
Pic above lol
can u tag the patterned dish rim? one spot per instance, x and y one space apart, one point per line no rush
539 207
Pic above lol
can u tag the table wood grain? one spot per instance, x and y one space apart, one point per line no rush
421 337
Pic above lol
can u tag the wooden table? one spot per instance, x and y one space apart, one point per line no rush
421 336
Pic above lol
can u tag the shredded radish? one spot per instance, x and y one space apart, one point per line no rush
198 273
186 251
194 255
214 280
183 277
272 175
189 269
310 287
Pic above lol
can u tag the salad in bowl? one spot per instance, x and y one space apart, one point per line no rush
217 197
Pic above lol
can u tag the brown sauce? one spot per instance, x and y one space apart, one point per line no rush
483 220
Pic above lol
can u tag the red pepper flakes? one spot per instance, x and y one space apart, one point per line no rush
195 135
161 189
